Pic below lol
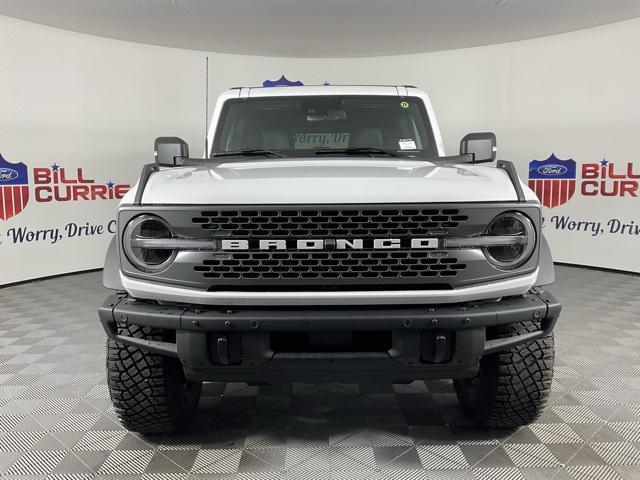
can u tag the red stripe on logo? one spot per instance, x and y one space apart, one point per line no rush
546 193
17 200
8 202
532 185
25 195
564 187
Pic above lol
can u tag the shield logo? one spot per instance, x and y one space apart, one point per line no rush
14 188
553 180
281 82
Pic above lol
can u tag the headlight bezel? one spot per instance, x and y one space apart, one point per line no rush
133 257
529 247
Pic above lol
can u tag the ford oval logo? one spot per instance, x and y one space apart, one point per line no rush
7 174
552 169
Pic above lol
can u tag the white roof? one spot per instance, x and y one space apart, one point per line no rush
320 90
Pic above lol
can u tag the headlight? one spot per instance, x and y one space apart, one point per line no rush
143 243
519 240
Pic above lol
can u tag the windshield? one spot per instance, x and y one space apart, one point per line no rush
304 126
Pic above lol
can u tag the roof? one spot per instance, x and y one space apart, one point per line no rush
245 92
327 85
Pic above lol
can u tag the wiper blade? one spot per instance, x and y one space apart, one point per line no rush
249 153
354 151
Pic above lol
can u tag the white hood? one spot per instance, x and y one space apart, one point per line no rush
313 181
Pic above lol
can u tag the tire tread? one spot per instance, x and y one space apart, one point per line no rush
514 385
145 388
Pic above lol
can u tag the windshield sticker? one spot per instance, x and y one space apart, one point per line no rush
404 104
308 141
407 144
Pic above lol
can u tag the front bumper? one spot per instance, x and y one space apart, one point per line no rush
241 345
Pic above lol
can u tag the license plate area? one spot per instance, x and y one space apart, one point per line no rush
330 341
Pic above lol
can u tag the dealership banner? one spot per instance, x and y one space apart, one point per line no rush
591 209
54 218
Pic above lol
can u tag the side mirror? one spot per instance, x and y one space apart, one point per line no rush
479 147
170 151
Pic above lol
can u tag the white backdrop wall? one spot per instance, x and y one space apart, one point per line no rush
70 101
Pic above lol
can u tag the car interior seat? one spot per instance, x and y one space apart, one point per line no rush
368 137
275 141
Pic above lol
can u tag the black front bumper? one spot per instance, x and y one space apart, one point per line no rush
244 345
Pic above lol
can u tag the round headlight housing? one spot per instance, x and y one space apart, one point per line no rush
520 240
136 235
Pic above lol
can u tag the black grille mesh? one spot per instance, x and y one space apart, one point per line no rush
329 266
328 222
272 265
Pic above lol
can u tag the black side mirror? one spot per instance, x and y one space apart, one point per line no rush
170 151
479 147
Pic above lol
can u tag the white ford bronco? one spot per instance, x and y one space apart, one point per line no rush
326 237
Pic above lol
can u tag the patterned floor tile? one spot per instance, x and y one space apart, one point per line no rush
617 453
555 433
442 457
397 458
100 440
217 461
591 472
531 455
36 463
499 473
126 462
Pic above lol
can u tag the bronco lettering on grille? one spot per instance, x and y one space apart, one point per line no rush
331 244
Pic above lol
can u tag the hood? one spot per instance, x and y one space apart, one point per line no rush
325 181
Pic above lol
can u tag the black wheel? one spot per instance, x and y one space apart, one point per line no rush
149 391
512 387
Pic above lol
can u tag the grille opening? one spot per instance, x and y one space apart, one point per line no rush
331 341
320 222
295 269
327 267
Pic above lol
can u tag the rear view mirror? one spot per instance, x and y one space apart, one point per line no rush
479 147
170 151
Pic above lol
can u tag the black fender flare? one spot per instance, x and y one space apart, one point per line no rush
111 272
546 272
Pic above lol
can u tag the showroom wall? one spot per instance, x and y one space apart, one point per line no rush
81 112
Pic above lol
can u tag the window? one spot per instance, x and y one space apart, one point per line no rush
300 126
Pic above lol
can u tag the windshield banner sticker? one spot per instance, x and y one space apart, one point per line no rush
407 144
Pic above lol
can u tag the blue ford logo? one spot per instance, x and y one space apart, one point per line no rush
552 169
7 174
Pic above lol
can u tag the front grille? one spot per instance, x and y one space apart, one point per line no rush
399 264
320 222
366 266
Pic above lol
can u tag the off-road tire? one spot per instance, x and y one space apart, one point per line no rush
512 387
149 391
